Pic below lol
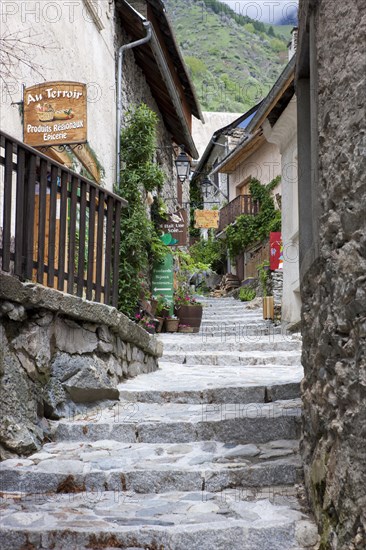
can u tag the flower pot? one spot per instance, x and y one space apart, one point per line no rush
159 325
165 313
190 315
185 330
171 325
150 330
268 307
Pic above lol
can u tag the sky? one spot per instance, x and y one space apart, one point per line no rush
268 11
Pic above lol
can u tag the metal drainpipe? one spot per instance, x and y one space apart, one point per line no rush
147 26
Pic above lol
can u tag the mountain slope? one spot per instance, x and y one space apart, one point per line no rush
233 60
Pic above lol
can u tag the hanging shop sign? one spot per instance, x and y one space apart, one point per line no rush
55 113
174 230
276 251
206 219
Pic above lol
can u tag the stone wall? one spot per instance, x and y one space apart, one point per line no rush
333 287
135 90
277 286
59 353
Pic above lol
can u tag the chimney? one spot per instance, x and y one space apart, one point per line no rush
292 45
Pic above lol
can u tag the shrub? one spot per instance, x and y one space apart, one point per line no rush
247 294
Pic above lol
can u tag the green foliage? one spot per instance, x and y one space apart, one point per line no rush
263 276
188 265
216 41
140 243
247 294
276 44
162 304
195 65
196 204
248 229
210 252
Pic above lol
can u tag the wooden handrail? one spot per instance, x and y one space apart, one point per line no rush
57 227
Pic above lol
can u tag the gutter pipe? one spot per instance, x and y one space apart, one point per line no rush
122 49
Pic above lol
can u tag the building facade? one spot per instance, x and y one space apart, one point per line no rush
96 30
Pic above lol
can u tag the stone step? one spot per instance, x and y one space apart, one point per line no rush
150 468
216 344
225 315
214 384
169 521
232 358
240 332
139 422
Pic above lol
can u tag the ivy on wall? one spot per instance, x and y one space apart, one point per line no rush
195 204
250 230
140 242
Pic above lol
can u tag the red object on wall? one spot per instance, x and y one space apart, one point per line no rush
276 251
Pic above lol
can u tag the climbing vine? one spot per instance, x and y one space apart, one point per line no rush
250 230
195 204
140 243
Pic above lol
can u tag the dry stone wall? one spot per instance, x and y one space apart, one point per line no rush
60 354
334 288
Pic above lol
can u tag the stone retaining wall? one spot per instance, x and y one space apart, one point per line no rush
58 352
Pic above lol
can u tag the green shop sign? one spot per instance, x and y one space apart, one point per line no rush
162 279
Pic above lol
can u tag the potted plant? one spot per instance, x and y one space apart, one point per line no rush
171 324
145 322
162 310
268 305
188 310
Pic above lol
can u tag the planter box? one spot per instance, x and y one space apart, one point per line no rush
268 307
171 325
185 330
190 315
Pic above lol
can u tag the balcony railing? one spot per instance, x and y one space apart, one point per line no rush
243 204
57 228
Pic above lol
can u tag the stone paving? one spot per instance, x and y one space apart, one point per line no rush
202 454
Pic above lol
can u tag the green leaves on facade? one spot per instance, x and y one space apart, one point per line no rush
250 230
140 244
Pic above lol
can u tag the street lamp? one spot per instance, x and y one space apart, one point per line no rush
205 184
183 165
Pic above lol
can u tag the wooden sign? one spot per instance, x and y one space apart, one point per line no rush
174 231
55 114
206 219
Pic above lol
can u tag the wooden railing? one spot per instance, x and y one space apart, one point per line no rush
57 228
243 204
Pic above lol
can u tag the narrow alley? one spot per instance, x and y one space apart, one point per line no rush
201 454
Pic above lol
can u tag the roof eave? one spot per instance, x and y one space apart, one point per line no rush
279 87
168 80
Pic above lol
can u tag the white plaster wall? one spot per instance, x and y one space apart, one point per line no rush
284 134
70 47
264 164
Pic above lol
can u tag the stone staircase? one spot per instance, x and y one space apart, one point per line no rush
200 455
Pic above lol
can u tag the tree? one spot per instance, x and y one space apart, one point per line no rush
17 51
